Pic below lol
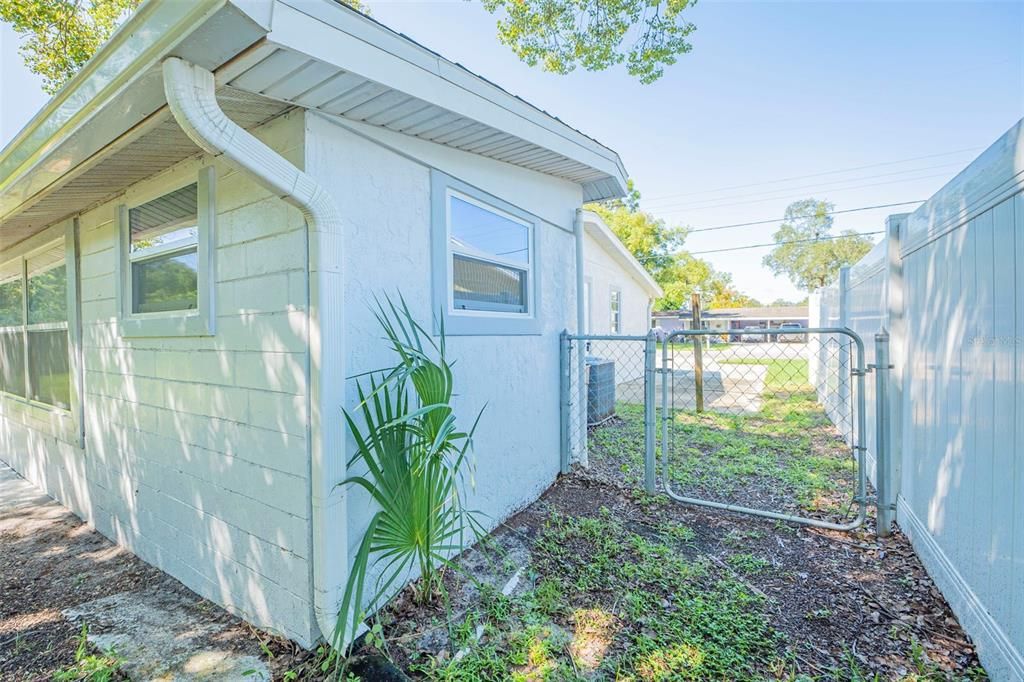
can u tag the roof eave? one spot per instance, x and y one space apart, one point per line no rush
603 234
119 88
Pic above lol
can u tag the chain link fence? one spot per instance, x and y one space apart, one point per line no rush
766 424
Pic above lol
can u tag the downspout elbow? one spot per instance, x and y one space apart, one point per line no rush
191 96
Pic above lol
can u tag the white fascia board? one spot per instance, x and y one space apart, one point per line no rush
603 235
120 87
324 30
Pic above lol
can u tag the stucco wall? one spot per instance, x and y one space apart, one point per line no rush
195 451
603 273
384 196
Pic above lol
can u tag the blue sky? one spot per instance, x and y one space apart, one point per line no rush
897 97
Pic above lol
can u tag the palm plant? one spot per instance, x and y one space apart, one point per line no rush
415 459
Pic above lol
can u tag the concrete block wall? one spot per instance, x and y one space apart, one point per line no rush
195 447
385 201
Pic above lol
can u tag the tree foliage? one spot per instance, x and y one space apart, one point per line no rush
659 248
61 35
559 35
807 252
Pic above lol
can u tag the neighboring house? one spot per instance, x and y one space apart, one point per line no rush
618 292
191 234
732 321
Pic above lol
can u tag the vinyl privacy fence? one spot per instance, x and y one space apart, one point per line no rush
947 282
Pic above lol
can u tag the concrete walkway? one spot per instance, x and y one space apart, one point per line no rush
56 575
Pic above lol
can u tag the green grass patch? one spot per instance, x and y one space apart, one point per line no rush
610 603
787 448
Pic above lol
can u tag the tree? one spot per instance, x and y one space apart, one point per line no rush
807 252
62 34
562 34
558 35
659 248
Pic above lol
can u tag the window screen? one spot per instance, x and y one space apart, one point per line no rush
34 361
164 246
491 259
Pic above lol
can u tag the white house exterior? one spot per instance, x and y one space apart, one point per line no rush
191 235
618 292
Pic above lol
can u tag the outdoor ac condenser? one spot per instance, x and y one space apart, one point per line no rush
600 389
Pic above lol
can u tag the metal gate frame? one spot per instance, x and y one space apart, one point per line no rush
858 372
859 436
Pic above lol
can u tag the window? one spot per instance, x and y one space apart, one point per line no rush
164 237
34 328
616 311
484 261
167 261
490 257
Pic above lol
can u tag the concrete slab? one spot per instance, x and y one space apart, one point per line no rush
163 636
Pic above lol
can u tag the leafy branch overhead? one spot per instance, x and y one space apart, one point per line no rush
59 36
562 34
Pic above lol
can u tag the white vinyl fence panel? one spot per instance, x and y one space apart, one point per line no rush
948 283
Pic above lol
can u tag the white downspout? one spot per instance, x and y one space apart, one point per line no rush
581 320
190 92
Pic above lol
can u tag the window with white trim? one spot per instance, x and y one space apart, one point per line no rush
167 261
163 245
34 359
490 257
484 261
616 311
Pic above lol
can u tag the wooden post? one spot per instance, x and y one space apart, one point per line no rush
698 352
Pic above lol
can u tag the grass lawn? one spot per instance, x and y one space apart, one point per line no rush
609 583
785 456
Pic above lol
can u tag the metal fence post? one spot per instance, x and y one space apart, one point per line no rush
698 353
650 349
564 350
883 468
846 406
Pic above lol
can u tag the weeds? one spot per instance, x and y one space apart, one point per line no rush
89 667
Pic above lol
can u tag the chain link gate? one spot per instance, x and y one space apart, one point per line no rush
785 405
726 409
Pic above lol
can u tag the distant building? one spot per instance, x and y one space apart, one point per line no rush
732 321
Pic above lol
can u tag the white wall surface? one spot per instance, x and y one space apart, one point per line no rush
384 196
954 295
604 274
195 453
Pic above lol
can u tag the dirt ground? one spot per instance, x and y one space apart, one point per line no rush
834 606
50 562
608 582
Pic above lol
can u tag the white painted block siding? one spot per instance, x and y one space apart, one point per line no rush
384 197
956 286
195 452
604 274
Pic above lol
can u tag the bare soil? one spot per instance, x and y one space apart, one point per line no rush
51 561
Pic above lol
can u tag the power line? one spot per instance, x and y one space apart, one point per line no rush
803 195
779 220
830 186
791 241
811 175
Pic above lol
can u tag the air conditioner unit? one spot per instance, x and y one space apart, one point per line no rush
600 389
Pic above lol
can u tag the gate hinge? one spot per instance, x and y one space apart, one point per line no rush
860 372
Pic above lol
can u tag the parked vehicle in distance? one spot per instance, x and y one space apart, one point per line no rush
747 337
791 332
